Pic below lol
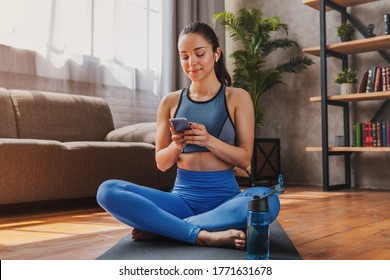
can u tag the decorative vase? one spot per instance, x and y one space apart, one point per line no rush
347 88
346 38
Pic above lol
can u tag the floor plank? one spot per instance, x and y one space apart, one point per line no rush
352 224
79 234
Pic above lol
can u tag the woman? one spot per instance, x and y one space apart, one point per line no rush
205 206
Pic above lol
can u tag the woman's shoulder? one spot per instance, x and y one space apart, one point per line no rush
172 97
237 94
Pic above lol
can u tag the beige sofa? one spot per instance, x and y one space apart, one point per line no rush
57 146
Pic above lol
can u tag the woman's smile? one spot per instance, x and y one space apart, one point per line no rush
194 71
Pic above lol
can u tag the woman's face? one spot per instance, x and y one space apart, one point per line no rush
196 56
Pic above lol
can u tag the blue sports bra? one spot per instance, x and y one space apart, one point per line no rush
213 114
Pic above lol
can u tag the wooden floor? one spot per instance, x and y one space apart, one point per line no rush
323 225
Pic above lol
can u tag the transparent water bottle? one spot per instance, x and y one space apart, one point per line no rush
258 229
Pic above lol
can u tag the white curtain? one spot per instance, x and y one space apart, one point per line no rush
116 43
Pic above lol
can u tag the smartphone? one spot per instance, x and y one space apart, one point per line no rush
180 124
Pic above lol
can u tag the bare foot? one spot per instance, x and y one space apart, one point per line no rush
138 234
228 238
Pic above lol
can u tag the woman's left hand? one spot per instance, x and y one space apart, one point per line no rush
198 135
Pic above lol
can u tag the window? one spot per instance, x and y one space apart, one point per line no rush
101 41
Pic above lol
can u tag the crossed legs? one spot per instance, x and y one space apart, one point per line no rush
166 214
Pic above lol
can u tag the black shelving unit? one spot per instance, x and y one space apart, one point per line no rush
324 53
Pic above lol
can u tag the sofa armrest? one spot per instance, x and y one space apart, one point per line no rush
140 132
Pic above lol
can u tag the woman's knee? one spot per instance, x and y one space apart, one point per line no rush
105 192
274 207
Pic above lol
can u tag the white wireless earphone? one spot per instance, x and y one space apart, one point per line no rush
216 57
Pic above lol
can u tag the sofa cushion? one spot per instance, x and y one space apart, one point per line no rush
59 116
31 170
7 116
140 132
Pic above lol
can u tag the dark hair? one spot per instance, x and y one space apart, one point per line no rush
209 35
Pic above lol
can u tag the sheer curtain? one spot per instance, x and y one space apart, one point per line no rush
122 50
95 41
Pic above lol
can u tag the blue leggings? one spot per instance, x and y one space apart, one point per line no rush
199 200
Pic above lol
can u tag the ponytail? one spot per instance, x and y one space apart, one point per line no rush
222 73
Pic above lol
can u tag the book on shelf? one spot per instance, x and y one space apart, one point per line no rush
385 81
378 80
364 135
358 136
384 136
378 134
363 83
371 134
375 79
371 73
388 134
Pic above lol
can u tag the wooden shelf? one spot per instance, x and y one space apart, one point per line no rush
369 96
315 4
355 46
341 50
350 149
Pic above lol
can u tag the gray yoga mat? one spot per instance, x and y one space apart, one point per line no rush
281 248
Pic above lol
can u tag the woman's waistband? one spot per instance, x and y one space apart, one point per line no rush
221 178
186 172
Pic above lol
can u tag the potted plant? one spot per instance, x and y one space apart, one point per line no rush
252 72
345 31
347 80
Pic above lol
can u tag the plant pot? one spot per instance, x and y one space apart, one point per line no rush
347 88
265 163
346 38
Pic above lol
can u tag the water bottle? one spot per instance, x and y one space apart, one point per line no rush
258 229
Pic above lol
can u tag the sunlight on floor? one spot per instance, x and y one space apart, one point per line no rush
18 233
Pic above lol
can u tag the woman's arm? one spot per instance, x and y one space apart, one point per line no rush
169 143
241 154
